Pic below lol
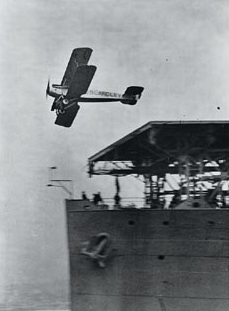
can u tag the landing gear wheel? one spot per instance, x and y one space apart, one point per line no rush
60 111
65 101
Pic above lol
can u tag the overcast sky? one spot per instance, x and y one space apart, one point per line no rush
177 50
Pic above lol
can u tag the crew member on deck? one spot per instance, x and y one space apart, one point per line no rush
97 199
117 200
84 196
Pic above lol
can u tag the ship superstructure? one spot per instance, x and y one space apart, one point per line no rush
171 254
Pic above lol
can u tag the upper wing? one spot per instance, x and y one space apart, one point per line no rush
68 116
81 81
79 57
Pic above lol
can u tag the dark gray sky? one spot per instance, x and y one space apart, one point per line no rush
178 50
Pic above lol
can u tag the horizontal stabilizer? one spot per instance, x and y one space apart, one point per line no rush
67 117
132 94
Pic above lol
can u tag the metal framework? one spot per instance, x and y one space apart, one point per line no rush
177 159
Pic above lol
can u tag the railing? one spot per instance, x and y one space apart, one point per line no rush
169 202
126 202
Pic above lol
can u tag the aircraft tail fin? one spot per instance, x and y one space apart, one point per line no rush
132 94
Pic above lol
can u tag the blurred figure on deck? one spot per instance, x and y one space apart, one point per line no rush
84 196
117 200
97 199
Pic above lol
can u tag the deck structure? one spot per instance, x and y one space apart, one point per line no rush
184 159
156 258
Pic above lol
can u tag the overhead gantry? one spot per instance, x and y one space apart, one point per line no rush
180 160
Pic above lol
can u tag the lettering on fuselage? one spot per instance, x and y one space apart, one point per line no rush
103 93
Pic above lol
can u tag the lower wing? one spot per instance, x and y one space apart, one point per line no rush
67 117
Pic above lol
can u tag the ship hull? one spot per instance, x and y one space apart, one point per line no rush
158 259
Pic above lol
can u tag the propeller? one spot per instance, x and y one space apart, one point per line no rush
48 88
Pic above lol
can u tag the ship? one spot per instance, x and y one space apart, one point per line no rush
171 253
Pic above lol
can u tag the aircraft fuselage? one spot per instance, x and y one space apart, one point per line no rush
58 91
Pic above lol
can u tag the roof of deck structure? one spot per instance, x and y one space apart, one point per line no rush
158 143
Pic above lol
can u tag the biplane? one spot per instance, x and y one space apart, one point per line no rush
74 89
